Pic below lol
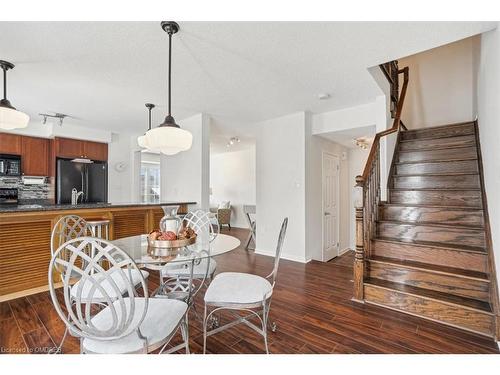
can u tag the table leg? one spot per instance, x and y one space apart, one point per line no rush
251 235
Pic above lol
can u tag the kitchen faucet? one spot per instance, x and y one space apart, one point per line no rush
75 195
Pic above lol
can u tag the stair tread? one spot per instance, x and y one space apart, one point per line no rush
432 267
435 160
444 174
432 294
440 245
434 148
432 224
464 208
435 189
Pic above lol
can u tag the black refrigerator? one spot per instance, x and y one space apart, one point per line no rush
89 177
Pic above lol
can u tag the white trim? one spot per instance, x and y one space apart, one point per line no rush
342 252
293 258
337 203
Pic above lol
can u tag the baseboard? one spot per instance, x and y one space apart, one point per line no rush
293 258
342 252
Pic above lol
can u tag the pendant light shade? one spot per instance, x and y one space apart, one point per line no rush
169 140
10 118
142 140
168 137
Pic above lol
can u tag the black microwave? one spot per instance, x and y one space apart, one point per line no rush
10 165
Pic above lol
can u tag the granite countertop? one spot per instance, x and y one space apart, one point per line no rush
51 207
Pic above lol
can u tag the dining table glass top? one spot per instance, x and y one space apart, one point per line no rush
138 249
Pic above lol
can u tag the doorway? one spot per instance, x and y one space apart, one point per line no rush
330 205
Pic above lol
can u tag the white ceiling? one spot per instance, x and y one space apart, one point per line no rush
102 73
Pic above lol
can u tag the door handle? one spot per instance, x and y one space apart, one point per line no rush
327 214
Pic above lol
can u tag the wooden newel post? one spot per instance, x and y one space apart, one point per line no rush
359 261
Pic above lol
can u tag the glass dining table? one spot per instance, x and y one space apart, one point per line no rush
138 249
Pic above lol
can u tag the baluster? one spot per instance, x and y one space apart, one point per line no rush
358 273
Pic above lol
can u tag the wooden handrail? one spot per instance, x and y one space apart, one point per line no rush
369 181
395 125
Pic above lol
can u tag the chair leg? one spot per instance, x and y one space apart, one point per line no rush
205 329
229 225
185 334
264 327
58 349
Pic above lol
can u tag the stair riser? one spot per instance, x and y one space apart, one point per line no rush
446 154
449 131
467 198
432 214
466 166
457 316
436 182
426 279
457 236
426 254
419 144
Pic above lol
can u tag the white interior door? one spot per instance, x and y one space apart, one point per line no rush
330 213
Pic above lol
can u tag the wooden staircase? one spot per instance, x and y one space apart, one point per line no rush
426 251
429 256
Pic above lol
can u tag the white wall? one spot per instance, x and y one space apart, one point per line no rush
488 104
232 178
314 192
357 161
186 176
120 150
442 85
280 178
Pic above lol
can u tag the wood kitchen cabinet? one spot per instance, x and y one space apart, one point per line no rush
10 144
35 156
96 150
74 148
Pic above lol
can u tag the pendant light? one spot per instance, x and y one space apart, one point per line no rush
10 118
168 137
142 141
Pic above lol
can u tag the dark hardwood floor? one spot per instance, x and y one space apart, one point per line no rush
311 306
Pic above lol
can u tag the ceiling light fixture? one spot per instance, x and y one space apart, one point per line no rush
142 141
362 143
168 137
232 141
10 118
59 116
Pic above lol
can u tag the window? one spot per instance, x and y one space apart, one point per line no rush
150 178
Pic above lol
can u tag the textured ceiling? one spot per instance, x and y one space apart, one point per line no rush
102 73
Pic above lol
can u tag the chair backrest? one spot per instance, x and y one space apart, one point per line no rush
97 287
279 247
203 225
65 229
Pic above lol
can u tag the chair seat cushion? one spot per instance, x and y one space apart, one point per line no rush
161 320
237 288
199 270
110 291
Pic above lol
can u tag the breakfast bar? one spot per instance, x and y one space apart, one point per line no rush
25 237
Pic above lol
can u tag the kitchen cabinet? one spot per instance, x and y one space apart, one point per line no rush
74 148
35 156
96 150
10 144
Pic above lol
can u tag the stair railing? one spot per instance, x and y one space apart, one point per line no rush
368 184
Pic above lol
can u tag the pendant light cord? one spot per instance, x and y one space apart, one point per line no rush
149 127
4 83
169 71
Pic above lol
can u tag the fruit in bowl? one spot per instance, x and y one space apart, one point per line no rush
167 236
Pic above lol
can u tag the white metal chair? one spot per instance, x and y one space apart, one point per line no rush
70 227
124 324
206 230
243 292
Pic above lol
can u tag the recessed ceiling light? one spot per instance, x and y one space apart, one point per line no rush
324 96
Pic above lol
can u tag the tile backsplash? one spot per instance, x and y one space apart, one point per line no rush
29 193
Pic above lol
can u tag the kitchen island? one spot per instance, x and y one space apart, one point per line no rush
25 237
